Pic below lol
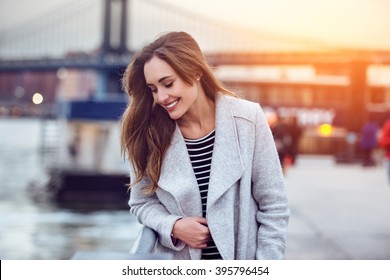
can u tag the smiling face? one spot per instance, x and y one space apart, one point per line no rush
170 91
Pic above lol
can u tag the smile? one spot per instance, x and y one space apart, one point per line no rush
172 105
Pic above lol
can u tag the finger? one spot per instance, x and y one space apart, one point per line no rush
202 221
199 245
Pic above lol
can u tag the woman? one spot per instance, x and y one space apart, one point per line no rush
204 172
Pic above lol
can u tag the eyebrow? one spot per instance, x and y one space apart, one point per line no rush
160 80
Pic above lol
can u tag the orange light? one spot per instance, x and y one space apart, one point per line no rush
325 129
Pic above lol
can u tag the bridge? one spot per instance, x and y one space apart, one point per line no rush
103 35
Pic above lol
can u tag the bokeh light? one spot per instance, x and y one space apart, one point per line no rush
37 98
325 129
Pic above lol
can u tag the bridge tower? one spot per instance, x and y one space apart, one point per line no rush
115 27
114 43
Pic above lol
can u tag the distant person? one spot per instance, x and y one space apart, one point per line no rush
204 170
368 142
294 132
75 145
279 132
385 143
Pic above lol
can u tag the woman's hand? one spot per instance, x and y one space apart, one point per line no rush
193 231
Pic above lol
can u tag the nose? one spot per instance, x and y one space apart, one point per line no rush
162 96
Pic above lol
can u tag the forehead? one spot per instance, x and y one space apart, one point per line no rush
155 69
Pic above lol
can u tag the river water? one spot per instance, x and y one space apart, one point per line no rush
45 231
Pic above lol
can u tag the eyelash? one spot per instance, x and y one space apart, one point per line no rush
154 90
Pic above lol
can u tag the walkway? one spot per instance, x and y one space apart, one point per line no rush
338 211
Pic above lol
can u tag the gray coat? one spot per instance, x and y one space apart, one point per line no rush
247 208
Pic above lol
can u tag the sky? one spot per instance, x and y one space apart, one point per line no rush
356 23
350 22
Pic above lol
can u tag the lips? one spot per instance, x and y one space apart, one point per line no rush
171 106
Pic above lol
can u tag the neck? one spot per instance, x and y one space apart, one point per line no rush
199 121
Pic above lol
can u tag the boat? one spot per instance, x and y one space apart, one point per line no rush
80 152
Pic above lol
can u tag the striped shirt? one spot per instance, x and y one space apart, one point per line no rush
201 152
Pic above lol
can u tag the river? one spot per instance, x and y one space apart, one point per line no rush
45 231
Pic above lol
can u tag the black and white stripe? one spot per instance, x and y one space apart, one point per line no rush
201 152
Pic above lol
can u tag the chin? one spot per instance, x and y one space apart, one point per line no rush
175 115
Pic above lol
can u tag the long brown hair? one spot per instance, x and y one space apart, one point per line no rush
147 129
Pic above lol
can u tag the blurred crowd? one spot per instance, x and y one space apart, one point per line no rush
371 141
287 133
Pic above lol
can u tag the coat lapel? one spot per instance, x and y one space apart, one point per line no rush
226 166
178 178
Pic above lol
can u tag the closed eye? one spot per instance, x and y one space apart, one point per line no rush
169 85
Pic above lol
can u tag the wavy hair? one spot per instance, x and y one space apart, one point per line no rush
146 128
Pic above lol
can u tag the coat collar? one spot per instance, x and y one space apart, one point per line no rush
177 176
226 166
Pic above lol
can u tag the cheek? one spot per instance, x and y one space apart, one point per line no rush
193 94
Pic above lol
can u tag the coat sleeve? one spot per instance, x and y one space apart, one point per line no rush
269 192
384 140
151 213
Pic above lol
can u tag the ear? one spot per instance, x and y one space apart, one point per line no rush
199 76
